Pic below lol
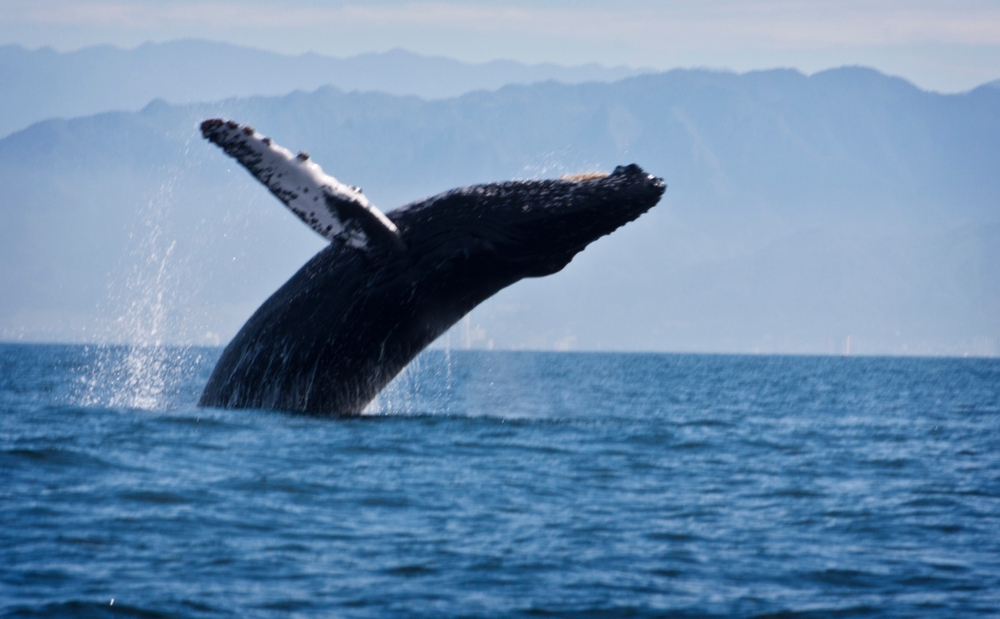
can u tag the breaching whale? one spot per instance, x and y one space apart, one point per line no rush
389 284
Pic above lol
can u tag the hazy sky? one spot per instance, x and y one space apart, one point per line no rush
941 45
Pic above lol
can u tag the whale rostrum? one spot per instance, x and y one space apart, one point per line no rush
389 284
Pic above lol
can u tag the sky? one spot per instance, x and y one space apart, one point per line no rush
945 46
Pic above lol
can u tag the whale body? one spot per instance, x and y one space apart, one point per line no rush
389 284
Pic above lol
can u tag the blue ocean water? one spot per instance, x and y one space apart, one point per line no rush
489 484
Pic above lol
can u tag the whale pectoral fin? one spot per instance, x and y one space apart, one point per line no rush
334 210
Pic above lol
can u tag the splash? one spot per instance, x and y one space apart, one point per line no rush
565 162
144 369
425 386
137 369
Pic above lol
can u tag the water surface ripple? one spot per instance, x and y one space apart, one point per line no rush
506 485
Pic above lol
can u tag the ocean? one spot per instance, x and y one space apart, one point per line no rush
504 484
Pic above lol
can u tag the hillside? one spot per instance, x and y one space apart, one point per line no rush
800 211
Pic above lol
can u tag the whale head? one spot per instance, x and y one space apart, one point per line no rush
526 228
580 209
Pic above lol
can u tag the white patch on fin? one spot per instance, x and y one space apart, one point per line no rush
334 210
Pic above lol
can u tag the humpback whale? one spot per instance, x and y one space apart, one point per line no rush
389 284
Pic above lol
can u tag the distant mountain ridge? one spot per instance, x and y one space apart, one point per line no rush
44 83
802 213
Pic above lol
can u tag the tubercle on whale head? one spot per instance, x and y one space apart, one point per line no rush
594 204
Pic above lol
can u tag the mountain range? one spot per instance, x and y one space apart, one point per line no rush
45 83
846 211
